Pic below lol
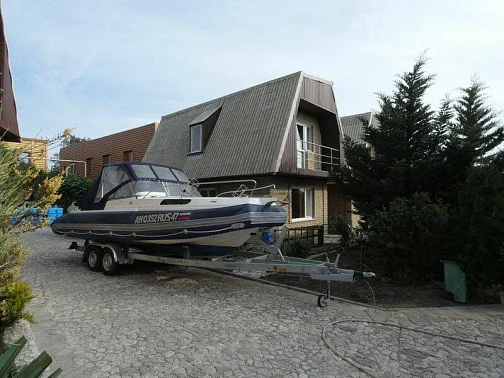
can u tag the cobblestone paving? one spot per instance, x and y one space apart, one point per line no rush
156 323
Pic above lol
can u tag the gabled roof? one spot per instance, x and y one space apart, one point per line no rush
354 128
247 139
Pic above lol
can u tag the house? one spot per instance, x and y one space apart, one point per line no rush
353 127
33 150
285 132
9 130
89 157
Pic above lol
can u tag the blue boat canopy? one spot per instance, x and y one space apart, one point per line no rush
136 179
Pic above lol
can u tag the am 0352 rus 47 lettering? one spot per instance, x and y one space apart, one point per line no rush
162 217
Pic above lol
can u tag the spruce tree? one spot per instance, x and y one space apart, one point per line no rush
476 132
407 147
474 166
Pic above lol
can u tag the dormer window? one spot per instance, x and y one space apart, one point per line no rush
200 130
196 138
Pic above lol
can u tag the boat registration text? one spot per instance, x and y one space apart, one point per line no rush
162 217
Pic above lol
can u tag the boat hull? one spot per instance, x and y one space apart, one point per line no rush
229 226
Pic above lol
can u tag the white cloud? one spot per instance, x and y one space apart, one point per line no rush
106 66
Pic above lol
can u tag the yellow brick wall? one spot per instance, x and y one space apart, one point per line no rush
283 186
354 218
314 154
36 148
339 205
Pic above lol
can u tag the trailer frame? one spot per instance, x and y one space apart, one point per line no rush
108 256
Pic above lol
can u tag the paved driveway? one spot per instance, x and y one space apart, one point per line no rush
148 323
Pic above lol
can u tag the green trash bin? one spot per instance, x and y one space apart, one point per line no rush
455 281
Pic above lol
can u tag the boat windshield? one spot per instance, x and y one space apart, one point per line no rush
144 171
152 182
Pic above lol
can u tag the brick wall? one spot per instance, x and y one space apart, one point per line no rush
114 146
338 205
283 186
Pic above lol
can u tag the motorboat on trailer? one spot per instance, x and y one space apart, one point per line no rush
157 208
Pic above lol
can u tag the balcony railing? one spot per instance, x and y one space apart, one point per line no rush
316 156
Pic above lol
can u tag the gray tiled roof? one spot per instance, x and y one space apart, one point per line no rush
246 140
353 127
203 116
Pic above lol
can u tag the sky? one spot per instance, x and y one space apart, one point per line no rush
106 66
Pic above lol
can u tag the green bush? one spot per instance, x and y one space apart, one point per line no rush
299 247
476 230
74 188
341 226
18 183
13 298
407 239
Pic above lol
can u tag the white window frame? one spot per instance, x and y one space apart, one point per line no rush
303 145
192 145
307 204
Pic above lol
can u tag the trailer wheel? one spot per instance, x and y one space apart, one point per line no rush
108 263
322 301
93 258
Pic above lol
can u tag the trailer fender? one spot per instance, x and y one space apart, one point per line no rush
120 256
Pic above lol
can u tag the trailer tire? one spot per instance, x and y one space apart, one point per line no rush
93 258
322 301
108 263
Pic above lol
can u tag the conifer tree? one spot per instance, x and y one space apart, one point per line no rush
407 147
476 132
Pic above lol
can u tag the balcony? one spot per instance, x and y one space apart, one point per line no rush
316 157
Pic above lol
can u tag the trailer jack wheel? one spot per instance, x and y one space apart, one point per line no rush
322 301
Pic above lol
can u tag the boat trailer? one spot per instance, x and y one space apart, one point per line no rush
107 256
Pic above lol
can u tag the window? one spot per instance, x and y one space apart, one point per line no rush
164 173
24 158
143 171
128 155
112 176
302 204
180 175
208 192
196 132
304 144
106 159
89 166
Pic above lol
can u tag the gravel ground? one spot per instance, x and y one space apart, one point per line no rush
154 322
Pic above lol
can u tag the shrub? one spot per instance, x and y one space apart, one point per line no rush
341 226
18 183
74 188
13 298
407 239
476 230
299 247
